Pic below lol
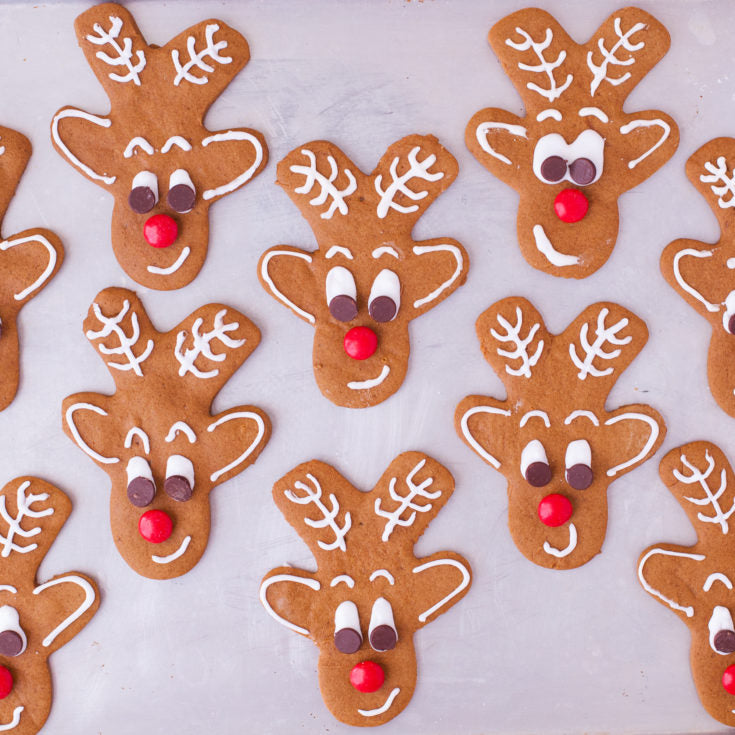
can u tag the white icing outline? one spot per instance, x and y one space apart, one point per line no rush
372 383
384 250
444 562
138 142
338 249
101 121
568 549
581 413
648 446
548 112
521 351
535 412
456 252
688 611
313 583
8 588
89 598
278 294
178 141
24 510
599 71
228 417
481 136
383 708
183 427
137 431
172 557
15 721
171 268
125 52
634 124
343 578
196 59
47 271
471 439
383 573
544 246
716 577
243 177
78 437
713 308
593 112
312 175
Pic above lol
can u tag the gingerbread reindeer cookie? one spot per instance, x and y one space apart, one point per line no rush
369 278
370 593
152 151
28 261
575 151
703 274
156 437
553 438
696 582
35 619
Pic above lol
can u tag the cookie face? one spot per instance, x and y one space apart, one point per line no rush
696 582
35 619
703 274
28 261
152 152
553 438
156 437
369 278
575 150
370 592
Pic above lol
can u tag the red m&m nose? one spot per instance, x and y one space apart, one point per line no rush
554 510
155 526
160 231
6 682
728 679
367 676
570 205
360 343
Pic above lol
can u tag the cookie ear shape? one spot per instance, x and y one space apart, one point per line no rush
286 273
645 134
288 596
28 260
89 423
441 581
633 434
710 169
15 151
484 424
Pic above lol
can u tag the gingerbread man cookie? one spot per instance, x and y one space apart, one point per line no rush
28 261
575 151
152 151
552 437
35 619
368 278
156 437
703 274
370 593
696 582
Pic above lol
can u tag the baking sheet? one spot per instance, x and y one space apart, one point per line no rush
528 650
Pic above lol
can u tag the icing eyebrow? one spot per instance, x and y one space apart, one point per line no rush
550 112
176 140
182 426
137 431
716 577
594 112
382 573
339 249
530 414
343 578
385 250
581 414
138 142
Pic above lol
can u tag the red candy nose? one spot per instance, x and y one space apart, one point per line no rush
367 676
554 510
160 231
360 343
728 679
155 526
6 682
570 205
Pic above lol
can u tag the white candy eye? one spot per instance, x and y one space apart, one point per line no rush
534 464
181 192
347 635
382 633
341 294
721 632
579 162
143 192
578 464
385 296
727 318
13 639
179 483
141 488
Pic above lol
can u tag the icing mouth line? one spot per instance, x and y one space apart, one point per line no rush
560 553
364 384
546 248
384 708
172 268
14 722
172 557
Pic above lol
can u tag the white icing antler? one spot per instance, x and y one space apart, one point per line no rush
544 66
603 336
417 170
700 477
111 324
124 53
718 174
202 345
196 58
329 519
513 335
406 502
609 58
23 502
328 188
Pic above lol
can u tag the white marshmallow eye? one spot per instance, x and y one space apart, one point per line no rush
534 464
382 633
143 192
181 192
578 464
179 483
13 639
385 296
579 162
141 488
721 631
347 635
341 294
727 318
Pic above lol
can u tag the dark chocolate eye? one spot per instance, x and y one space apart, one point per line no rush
554 168
181 192
534 464
382 633
13 639
347 636
141 489
578 463
179 483
721 632
341 294
582 171
144 192
385 296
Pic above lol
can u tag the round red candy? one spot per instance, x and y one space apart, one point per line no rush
367 676
155 526
160 231
570 205
6 682
360 343
554 510
728 679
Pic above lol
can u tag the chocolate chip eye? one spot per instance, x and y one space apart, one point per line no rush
141 489
578 463
181 192
144 192
731 324
11 644
13 640
721 631
554 168
724 641
534 464
382 633
341 294
347 636
385 296
582 171
179 483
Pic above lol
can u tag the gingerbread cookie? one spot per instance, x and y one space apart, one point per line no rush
553 438
370 592
696 582
156 437
152 152
703 274
28 261
575 151
369 278
35 619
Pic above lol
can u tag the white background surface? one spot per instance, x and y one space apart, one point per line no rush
528 650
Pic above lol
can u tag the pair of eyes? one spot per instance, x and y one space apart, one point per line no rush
382 633
178 485
580 161
577 462
13 640
721 631
143 195
383 302
582 171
